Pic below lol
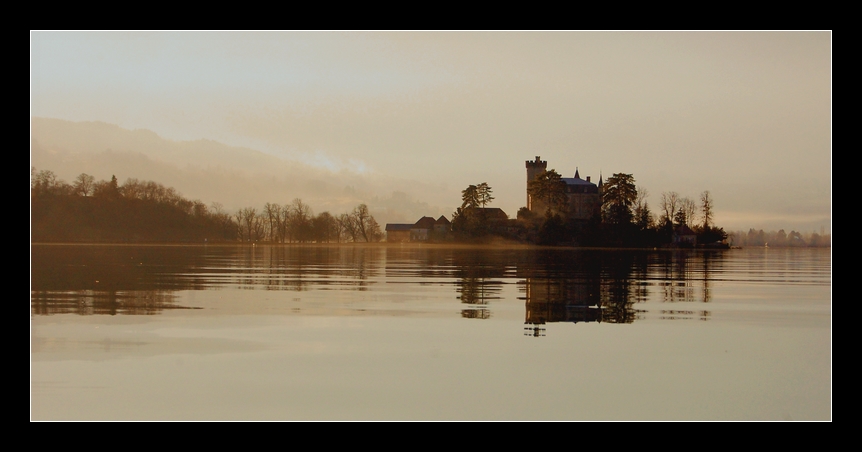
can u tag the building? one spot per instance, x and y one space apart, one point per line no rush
424 230
442 226
684 237
421 231
397 232
584 196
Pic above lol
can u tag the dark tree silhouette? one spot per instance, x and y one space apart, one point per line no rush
549 189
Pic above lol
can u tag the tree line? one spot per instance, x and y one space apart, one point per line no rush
90 210
622 218
780 238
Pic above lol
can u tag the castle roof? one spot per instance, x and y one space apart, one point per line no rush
576 181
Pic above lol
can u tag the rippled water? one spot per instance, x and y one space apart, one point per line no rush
411 332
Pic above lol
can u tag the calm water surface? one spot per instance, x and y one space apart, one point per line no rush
411 332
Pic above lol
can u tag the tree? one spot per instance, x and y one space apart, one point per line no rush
548 188
299 220
642 215
669 206
679 218
619 194
375 233
109 190
84 184
272 212
689 212
470 197
347 226
324 228
245 219
364 225
224 221
484 194
45 182
706 209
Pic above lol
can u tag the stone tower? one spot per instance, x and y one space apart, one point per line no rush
534 168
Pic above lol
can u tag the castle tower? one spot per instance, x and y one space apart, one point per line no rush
534 168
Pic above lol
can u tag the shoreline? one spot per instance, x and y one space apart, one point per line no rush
416 245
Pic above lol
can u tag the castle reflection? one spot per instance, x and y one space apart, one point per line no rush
605 286
579 287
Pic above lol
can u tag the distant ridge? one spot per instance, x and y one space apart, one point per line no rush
210 171
92 137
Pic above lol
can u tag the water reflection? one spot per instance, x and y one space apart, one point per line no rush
480 281
299 268
109 302
109 280
556 285
587 286
352 332
686 277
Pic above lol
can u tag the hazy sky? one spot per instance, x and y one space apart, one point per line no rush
745 115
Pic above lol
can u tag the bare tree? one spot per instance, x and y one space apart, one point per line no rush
246 219
360 218
669 205
299 220
689 207
258 227
362 225
46 182
84 184
272 213
347 224
375 234
706 209
282 219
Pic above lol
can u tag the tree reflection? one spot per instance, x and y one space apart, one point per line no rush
109 280
686 277
295 267
479 281
140 279
91 302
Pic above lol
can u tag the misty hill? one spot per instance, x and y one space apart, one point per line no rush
210 171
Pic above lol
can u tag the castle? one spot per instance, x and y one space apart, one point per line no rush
585 198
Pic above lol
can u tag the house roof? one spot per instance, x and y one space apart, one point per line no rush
393 227
684 230
493 212
424 223
443 220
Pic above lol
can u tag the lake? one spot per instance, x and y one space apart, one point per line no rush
409 332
